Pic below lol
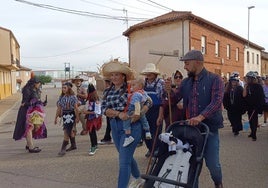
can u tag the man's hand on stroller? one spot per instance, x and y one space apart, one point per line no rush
195 120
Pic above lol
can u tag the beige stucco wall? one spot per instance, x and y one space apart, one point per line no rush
161 38
5 47
9 62
264 65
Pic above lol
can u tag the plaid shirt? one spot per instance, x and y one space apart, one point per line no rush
195 105
115 99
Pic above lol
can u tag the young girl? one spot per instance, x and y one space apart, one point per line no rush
93 116
67 108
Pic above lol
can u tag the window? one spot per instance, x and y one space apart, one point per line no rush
237 54
257 59
252 58
203 44
247 56
228 51
217 48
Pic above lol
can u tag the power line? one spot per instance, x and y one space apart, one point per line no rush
74 51
104 6
81 13
151 5
126 5
160 5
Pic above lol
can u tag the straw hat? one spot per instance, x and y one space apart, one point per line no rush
116 67
77 78
150 68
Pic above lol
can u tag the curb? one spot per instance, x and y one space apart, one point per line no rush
3 115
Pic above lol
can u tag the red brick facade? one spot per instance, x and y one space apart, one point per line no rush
219 64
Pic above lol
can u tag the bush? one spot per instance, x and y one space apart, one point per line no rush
45 79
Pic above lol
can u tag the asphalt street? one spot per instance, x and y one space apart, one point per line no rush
244 162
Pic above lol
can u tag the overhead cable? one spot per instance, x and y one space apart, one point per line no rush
160 5
75 51
81 13
112 8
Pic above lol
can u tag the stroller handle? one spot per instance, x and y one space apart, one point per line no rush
201 124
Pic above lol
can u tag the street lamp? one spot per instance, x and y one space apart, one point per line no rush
248 21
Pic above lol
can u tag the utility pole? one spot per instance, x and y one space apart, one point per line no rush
125 11
126 21
67 70
249 21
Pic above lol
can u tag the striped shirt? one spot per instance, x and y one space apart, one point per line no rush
67 102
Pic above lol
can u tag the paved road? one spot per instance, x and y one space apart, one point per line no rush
244 162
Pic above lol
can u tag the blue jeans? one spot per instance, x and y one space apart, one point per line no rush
143 121
211 156
127 164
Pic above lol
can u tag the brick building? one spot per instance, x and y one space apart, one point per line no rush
177 32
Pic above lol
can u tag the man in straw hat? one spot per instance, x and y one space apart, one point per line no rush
82 97
114 106
202 93
154 87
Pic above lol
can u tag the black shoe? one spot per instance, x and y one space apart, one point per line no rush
103 142
250 135
236 133
62 153
27 147
219 186
71 148
34 150
148 154
140 144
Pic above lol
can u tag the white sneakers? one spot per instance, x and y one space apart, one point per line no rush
128 140
137 183
148 135
264 125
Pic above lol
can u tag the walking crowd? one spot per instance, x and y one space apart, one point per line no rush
136 110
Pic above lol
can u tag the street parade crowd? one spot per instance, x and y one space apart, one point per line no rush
136 108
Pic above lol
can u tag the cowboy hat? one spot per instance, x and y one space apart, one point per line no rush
77 78
115 66
150 68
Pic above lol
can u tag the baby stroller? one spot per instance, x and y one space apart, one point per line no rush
182 167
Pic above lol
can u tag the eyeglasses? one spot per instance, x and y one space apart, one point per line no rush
176 77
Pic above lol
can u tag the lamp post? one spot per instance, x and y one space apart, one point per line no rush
248 21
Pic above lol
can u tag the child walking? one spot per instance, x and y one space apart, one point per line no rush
94 119
67 108
136 100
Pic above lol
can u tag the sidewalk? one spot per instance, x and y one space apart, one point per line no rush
8 103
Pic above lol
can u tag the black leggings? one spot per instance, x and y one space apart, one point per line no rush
253 122
93 137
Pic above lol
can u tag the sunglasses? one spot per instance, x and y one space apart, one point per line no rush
176 77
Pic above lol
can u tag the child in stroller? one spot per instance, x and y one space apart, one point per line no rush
178 166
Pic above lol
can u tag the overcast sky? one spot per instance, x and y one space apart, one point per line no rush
50 38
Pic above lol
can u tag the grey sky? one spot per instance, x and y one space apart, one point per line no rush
49 38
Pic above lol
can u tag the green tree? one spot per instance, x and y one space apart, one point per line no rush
45 79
